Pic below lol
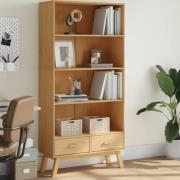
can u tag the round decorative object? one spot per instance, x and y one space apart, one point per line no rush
69 20
76 15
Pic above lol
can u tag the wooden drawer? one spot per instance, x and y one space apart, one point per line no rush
107 142
72 145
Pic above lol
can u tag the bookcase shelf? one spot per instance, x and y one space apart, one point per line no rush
88 69
52 80
86 134
88 36
91 101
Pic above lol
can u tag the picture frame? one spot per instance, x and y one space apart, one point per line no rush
65 54
9 44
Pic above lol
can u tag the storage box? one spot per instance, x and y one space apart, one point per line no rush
95 124
26 170
68 127
30 154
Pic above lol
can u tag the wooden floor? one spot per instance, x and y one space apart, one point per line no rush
145 169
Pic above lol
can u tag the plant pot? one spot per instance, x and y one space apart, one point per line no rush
10 67
1 67
173 150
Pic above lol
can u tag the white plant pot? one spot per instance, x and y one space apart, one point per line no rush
173 150
1 67
10 67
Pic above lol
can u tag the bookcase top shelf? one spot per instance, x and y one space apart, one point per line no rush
88 69
89 102
90 2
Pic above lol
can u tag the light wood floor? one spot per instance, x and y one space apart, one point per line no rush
145 169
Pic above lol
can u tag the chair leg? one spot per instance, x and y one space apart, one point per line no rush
119 160
11 169
55 167
43 164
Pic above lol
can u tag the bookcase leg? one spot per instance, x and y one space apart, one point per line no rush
55 167
43 164
119 160
108 159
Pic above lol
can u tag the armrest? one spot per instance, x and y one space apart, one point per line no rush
16 128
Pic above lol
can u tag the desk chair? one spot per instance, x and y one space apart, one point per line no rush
16 125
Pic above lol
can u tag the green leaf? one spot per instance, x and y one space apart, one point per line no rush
178 81
178 95
153 104
171 130
161 69
172 105
141 111
150 107
165 83
173 74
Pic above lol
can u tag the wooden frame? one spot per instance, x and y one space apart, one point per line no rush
51 28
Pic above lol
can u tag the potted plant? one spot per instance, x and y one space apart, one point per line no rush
169 83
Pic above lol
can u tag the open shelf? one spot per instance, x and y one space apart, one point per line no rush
86 134
88 69
91 101
90 2
89 35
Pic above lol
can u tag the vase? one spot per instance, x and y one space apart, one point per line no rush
10 66
173 149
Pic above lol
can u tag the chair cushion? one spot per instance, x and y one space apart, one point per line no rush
7 149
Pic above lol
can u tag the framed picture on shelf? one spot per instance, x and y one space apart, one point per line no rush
64 54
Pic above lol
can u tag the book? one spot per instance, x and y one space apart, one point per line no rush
99 23
101 65
119 85
117 20
71 98
98 85
109 84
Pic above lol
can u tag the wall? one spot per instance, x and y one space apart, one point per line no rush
24 82
152 30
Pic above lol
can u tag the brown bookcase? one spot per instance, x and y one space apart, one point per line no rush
52 80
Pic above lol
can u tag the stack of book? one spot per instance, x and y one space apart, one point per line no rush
107 20
106 85
71 98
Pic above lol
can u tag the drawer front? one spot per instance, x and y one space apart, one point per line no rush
72 146
26 170
107 142
30 154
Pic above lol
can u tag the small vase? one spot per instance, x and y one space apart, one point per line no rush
10 67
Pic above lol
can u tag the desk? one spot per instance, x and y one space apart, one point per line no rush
4 110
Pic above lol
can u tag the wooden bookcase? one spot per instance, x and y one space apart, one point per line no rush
52 15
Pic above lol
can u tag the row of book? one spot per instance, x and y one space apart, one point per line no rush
107 20
106 85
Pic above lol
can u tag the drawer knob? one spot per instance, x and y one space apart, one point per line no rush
71 146
105 144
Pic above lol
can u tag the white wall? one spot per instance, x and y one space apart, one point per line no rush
153 37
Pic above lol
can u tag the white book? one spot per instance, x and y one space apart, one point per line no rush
119 85
108 87
108 92
98 85
118 19
115 86
99 23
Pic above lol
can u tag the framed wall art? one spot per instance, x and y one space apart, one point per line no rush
9 44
